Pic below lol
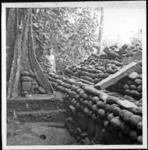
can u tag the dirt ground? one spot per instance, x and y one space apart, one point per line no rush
37 121
38 134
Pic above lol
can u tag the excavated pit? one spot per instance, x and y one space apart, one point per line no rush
37 120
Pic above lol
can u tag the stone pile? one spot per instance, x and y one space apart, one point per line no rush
29 84
130 85
129 50
94 69
116 52
116 116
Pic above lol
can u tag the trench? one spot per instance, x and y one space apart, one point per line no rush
37 120
46 120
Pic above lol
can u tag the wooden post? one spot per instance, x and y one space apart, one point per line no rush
100 31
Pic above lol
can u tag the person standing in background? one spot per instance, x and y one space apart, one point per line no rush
51 60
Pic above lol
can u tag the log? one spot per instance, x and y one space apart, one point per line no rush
112 79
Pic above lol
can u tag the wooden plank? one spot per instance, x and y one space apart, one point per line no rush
112 79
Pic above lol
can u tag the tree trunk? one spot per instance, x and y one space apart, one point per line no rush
24 57
100 32
11 25
40 75
13 84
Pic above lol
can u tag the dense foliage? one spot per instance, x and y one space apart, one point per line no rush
71 32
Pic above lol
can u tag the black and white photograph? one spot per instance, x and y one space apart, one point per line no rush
74 75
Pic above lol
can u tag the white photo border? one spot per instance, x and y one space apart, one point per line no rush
114 4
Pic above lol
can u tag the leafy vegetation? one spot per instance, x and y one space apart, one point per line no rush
71 32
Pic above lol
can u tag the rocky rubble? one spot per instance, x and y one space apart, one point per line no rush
111 116
94 69
126 50
117 116
29 84
130 85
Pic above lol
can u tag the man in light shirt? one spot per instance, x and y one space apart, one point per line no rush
50 60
